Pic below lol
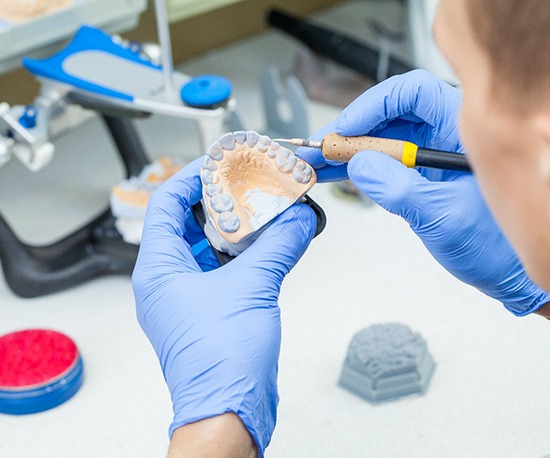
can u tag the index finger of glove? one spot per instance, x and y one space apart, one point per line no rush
415 96
164 249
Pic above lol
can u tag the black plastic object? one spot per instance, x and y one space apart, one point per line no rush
124 134
442 160
95 249
224 258
336 46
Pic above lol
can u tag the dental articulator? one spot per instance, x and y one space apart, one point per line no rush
122 81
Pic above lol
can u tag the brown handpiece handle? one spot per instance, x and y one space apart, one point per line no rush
338 148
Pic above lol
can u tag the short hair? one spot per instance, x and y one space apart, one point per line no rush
515 34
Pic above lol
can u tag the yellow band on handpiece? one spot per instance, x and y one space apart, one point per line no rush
409 154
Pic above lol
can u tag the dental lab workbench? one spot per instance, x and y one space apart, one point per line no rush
489 394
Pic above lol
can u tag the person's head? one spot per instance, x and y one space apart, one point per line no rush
498 49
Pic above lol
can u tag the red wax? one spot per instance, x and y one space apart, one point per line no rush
34 357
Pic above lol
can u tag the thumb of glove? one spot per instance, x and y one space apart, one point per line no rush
388 183
279 247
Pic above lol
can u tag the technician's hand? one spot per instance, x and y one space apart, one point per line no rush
217 334
444 208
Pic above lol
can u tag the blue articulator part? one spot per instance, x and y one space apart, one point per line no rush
206 91
118 73
87 43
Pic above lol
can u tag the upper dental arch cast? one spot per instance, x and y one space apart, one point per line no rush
248 180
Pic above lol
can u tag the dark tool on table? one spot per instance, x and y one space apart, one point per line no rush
338 148
339 47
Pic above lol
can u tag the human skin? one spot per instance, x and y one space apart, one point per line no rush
509 148
223 436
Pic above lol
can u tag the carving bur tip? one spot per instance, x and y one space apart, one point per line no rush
300 142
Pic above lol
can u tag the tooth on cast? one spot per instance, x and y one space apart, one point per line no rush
221 203
213 189
227 142
215 151
263 143
209 164
240 137
229 222
285 160
252 138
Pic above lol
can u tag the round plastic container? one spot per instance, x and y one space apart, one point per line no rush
39 370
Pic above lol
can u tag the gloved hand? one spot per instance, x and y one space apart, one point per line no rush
444 208
216 334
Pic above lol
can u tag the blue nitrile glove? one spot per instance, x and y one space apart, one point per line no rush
217 333
444 208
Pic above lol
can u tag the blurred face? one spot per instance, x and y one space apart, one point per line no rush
509 150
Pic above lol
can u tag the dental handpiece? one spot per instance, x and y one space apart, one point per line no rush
338 148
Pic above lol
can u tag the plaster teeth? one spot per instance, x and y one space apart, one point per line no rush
240 137
215 151
301 173
273 150
213 189
247 180
208 177
229 222
221 203
227 141
285 160
263 143
209 164
252 138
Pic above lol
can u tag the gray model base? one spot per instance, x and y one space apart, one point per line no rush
387 361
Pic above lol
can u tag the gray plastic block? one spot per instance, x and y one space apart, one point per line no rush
385 362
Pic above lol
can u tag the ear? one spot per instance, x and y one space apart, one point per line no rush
541 125
541 130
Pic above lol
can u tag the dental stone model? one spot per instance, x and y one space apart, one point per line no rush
20 10
129 198
386 361
247 180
